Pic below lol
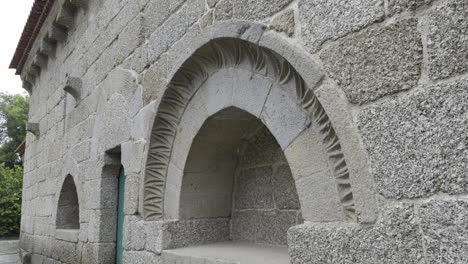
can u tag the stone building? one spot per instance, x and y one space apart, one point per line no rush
245 131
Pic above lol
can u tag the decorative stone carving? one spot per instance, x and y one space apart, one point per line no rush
33 128
73 87
226 53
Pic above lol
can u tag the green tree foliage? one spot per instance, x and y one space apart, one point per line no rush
10 199
13 117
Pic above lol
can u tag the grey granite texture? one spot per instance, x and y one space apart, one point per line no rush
445 228
396 239
284 22
324 20
400 6
376 62
255 189
418 143
447 39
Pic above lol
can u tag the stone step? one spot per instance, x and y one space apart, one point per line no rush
227 253
8 247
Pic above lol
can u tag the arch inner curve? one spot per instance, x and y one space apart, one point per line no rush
210 58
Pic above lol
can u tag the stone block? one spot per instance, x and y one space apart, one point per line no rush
260 149
156 12
143 121
66 252
98 253
396 239
138 257
167 34
447 39
195 232
82 151
132 156
284 22
217 91
250 91
257 9
305 155
155 80
262 227
376 62
445 228
120 81
324 20
254 189
284 117
102 226
416 143
284 188
154 236
134 233
113 123
132 194
319 197
130 38
224 10
400 6
195 10
212 3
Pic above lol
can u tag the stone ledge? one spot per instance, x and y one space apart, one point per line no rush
70 235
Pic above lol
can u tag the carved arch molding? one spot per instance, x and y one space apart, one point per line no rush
213 56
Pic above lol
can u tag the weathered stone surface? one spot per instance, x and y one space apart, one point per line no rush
224 10
137 257
284 189
212 3
194 232
155 80
284 117
113 124
65 252
396 239
324 20
135 235
248 9
376 62
98 253
447 39
255 189
257 9
445 228
263 227
399 6
417 143
261 149
284 22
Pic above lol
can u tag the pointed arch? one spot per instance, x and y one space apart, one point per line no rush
208 59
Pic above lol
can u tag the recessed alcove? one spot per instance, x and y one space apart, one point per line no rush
68 210
236 174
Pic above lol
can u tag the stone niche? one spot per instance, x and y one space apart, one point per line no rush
68 211
236 174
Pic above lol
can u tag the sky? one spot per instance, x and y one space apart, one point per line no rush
13 16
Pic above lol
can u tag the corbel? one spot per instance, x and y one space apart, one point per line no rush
33 128
73 87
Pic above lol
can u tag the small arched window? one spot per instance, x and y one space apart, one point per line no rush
68 211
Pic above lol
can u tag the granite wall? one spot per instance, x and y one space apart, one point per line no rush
391 78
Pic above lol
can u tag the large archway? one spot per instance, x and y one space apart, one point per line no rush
232 72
